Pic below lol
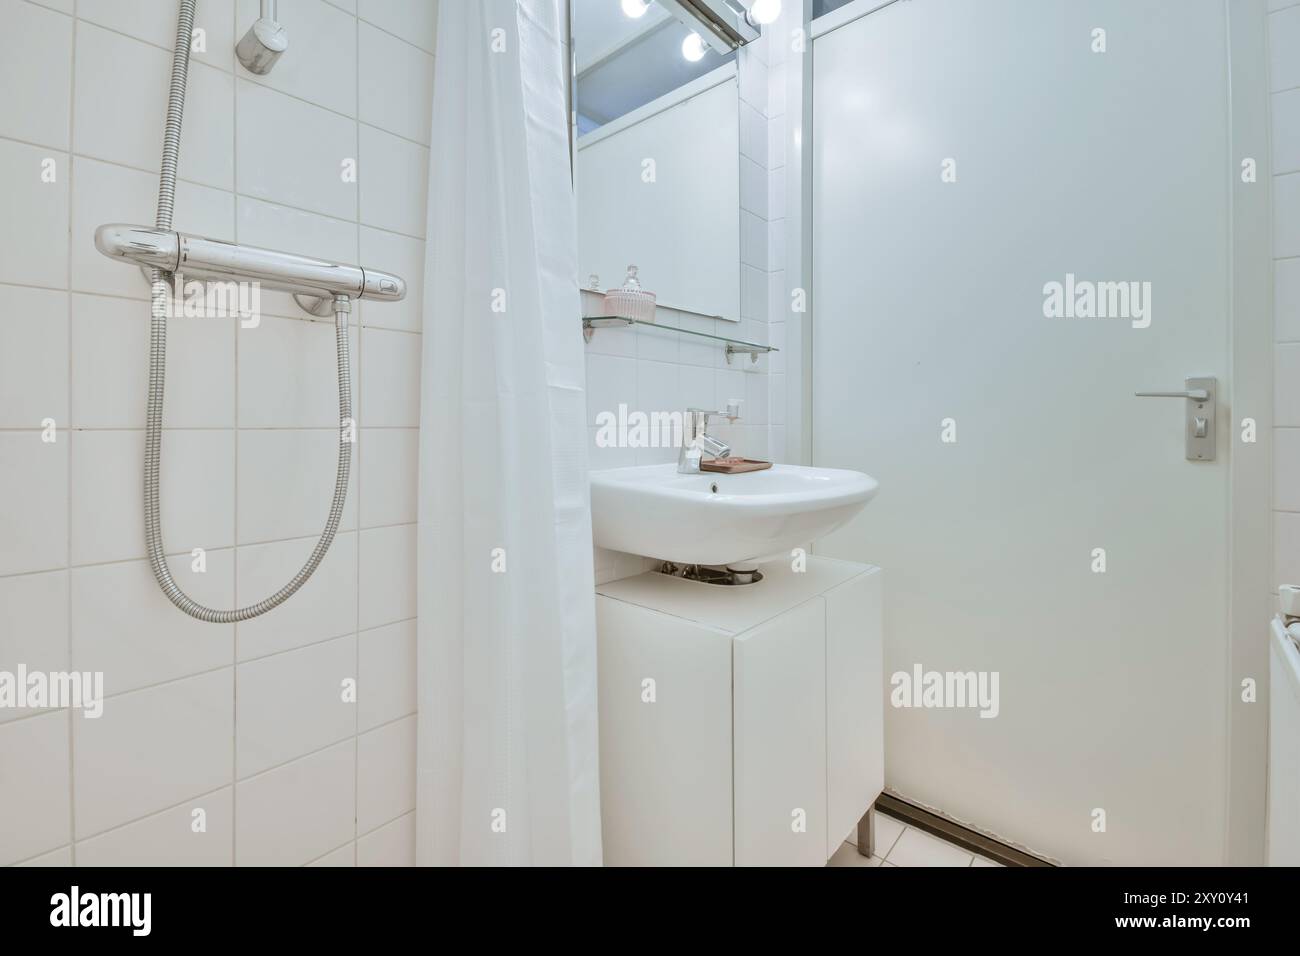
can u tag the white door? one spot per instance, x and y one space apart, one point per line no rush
965 155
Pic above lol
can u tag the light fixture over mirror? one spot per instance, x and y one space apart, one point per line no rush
635 9
693 48
763 12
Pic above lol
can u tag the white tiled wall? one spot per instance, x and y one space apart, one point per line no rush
247 722
656 371
1284 66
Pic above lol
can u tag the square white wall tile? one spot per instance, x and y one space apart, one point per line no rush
657 387
124 627
325 607
390 378
777 398
35 798
397 87
1286 131
696 386
776 200
387 575
753 188
293 703
611 381
198 493
297 812
386 685
753 246
274 226
33 356
413 20
288 374
168 838
36 74
729 385
779 299
322 68
753 134
33 502
286 483
34 628
294 153
391 845
616 341
34 228
394 182
107 63
1284 48
608 455
1286 384
152 749
110 366
657 345
1286 548
154 21
1286 215
105 193
1286 469
385 773
755 409
403 256
1286 300
389 475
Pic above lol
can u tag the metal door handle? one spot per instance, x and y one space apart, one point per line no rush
1198 415
1195 394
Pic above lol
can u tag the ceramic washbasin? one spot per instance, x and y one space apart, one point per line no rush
718 519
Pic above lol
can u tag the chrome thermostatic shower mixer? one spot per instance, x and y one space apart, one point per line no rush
319 287
215 260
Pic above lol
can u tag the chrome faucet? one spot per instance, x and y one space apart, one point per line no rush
697 443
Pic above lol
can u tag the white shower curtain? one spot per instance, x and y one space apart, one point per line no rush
507 761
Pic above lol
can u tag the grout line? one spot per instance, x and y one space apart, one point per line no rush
395 36
234 642
300 316
101 429
68 568
54 849
387 823
67 611
317 859
221 189
152 813
356 434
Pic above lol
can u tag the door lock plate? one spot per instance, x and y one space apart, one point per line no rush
1201 420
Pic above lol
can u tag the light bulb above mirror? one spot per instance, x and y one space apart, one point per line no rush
763 12
693 47
635 8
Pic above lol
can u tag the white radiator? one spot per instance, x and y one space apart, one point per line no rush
1283 749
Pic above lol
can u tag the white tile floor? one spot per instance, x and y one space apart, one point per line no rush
901 845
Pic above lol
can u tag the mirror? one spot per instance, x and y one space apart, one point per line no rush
657 155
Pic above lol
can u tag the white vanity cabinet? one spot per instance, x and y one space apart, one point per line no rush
739 725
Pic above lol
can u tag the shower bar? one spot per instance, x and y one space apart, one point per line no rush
213 259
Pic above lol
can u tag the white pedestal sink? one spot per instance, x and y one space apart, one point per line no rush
718 519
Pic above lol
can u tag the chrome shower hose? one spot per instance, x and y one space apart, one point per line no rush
158 375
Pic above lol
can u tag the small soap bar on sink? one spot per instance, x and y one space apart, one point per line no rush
733 466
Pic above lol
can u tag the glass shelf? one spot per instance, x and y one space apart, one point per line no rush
732 346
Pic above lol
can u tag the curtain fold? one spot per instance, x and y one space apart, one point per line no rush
507 762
